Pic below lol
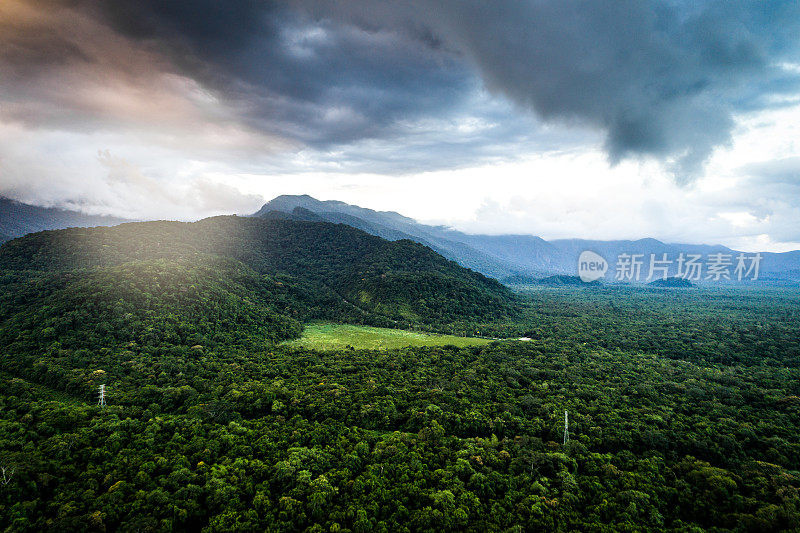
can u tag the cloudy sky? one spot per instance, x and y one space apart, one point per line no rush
672 119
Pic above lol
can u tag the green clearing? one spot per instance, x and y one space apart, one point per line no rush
328 336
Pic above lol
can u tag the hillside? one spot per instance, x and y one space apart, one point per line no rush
147 304
259 275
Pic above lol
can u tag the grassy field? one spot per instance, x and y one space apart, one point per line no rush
326 336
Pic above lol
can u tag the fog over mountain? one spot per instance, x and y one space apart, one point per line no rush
18 219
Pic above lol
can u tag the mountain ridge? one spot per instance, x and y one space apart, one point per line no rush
515 256
497 256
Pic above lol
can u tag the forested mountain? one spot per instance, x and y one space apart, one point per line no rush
510 256
393 226
240 269
18 219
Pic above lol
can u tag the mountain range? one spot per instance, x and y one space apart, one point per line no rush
516 259
513 259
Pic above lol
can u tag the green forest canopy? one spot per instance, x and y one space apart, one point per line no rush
684 406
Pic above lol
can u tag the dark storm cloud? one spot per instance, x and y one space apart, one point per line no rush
660 78
322 83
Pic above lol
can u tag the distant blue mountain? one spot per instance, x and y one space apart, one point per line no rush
18 219
497 256
513 256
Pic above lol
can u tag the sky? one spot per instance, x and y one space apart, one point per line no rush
678 120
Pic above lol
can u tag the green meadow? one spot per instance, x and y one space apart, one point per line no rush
328 336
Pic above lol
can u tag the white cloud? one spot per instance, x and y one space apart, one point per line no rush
553 194
576 193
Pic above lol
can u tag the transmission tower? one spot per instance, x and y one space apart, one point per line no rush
102 399
566 428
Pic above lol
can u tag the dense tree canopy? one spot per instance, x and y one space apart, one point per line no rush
402 281
684 404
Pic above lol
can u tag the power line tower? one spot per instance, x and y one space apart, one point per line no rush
566 428
102 399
